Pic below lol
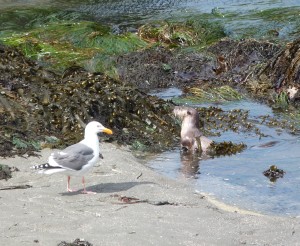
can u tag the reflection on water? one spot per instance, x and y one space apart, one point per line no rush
166 94
190 165
238 179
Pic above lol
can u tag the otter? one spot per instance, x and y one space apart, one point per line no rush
192 140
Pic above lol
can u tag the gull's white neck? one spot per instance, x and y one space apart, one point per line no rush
92 141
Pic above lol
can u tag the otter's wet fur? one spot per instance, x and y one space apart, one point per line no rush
192 140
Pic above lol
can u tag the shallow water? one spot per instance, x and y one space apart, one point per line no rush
238 179
241 18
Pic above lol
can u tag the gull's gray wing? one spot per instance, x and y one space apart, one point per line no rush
74 157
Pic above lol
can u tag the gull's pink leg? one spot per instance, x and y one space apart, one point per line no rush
68 185
84 190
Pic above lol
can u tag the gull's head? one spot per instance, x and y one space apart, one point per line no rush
95 127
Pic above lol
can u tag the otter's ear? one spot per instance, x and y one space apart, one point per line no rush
189 112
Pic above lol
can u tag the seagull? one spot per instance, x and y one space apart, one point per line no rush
77 159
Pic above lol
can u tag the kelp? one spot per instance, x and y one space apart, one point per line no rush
38 104
226 148
283 69
246 55
217 121
227 62
282 74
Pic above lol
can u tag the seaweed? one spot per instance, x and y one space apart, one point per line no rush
76 242
208 94
192 32
226 148
6 171
59 45
273 173
38 103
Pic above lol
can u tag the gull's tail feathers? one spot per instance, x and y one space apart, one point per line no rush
47 168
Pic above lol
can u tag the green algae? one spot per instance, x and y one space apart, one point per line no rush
86 44
26 19
204 95
59 39
23 144
281 101
138 146
192 32
276 24
94 47
278 14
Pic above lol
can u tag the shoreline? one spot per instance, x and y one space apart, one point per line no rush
231 208
134 205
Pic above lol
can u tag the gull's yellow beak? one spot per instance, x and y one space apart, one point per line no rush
108 131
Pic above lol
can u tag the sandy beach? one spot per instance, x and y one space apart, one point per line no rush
133 206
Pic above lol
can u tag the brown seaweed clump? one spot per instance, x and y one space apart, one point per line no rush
36 104
283 72
226 148
77 242
228 61
284 68
273 173
6 171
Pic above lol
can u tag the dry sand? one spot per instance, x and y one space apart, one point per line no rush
168 212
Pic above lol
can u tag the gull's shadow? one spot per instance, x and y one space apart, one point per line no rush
107 188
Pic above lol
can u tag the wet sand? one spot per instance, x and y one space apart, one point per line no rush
163 211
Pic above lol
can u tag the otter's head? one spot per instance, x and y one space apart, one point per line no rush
181 112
